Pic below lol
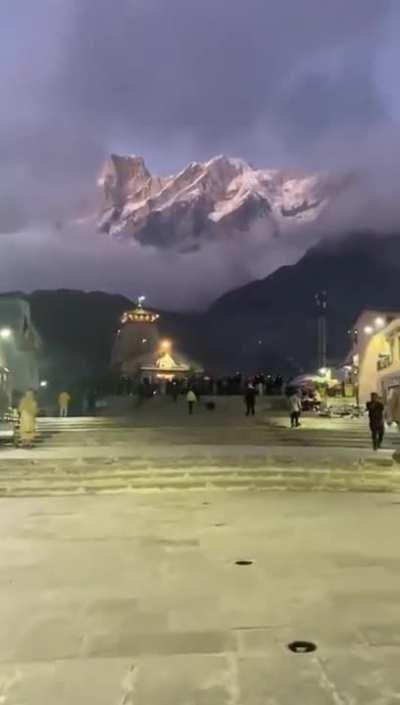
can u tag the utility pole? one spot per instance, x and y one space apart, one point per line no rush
321 302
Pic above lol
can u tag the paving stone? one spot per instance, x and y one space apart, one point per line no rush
362 675
396 456
382 634
68 683
130 643
379 462
189 680
256 640
121 616
281 679
49 639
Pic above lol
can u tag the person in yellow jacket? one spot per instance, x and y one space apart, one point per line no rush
63 403
28 410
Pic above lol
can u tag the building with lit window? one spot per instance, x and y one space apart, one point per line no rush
374 360
139 352
20 345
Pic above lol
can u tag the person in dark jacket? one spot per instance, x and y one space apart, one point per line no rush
250 400
91 402
376 413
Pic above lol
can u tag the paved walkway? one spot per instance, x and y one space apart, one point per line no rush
267 431
137 600
148 449
80 455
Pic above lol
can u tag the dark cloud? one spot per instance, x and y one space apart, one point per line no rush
151 68
339 105
75 257
278 83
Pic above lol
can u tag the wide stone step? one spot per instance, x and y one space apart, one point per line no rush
51 480
362 443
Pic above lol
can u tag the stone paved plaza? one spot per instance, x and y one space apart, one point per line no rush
118 574
137 599
159 446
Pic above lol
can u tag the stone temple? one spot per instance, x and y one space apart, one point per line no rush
140 353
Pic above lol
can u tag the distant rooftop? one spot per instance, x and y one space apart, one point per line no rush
139 315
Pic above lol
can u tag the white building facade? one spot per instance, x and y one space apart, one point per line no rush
375 356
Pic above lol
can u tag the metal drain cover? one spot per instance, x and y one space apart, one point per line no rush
302 647
243 562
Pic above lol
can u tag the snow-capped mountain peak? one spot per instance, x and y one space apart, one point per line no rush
205 200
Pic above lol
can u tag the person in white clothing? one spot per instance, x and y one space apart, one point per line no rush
191 400
295 409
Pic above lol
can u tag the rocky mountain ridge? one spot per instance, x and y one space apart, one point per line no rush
215 199
269 324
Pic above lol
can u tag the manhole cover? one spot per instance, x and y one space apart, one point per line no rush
302 647
243 562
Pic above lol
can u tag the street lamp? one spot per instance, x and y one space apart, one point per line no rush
44 383
379 322
368 330
5 333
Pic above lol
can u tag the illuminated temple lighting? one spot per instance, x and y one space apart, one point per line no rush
140 315
165 345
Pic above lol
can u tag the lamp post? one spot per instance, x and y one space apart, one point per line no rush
321 302
5 333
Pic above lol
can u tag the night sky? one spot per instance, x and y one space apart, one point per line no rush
297 84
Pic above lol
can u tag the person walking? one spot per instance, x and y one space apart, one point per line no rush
92 402
191 400
250 400
376 414
63 403
28 410
295 408
175 390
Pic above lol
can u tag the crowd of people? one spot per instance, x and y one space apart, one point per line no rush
298 400
203 386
